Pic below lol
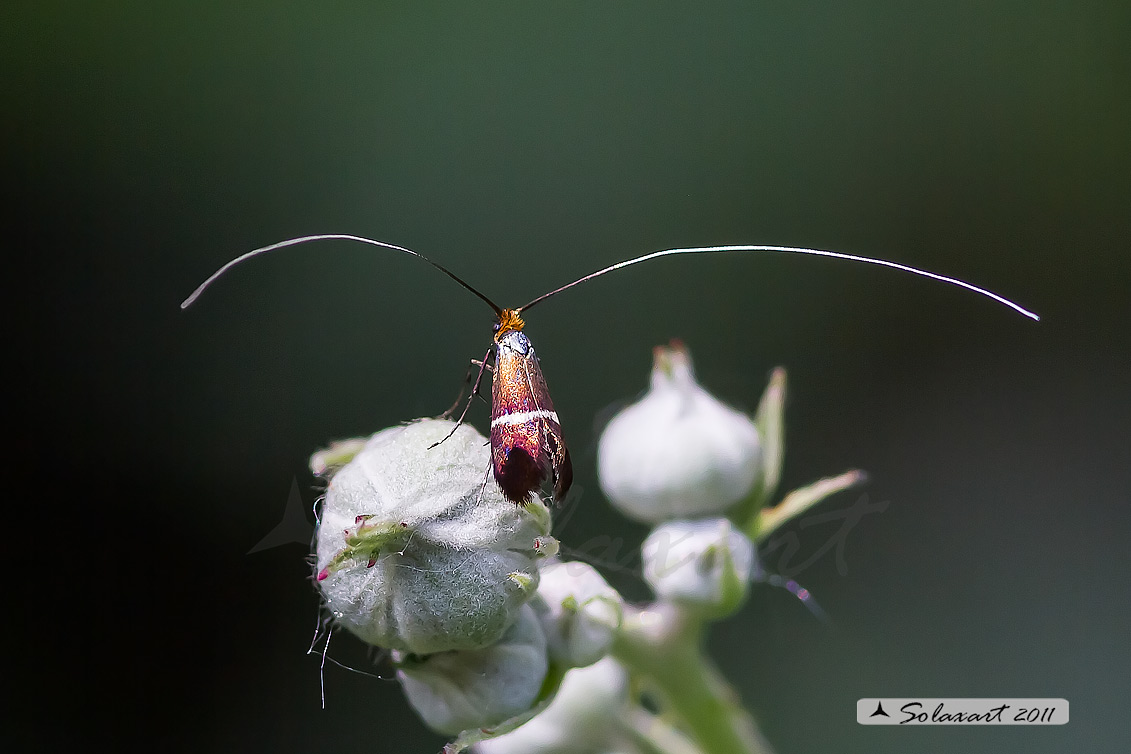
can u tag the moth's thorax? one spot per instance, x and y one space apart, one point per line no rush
517 383
514 342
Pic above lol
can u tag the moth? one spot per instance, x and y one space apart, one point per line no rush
527 446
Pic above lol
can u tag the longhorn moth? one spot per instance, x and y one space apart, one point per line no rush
527 447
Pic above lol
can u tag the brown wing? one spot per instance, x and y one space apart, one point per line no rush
526 439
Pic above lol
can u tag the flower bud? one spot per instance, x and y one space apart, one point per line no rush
477 688
415 553
579 611
705 564
579 721
677 452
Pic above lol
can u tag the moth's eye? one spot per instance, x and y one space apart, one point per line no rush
495 327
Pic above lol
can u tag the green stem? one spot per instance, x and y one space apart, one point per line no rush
664 644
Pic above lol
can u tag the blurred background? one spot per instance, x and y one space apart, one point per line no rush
524 145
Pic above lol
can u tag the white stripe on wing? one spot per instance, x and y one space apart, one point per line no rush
522 417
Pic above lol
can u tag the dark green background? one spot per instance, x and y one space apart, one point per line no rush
523 145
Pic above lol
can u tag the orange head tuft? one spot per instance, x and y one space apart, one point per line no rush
508 321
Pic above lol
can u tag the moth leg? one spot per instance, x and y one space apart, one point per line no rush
483 366
486 477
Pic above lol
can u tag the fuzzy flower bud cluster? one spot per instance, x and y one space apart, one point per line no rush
678 452
416 553
681 459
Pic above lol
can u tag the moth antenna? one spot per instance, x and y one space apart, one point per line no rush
326 237
801 593
322 666
790 250
323 622
351 669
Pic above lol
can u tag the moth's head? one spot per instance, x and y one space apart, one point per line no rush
509 321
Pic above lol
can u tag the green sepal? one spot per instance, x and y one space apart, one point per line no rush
770 422
326 462
538 510
367 543
797 502
733 591
523 581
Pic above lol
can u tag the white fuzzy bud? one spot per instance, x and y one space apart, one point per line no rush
705 564
415 553
477 688
580 720
677 452
580 612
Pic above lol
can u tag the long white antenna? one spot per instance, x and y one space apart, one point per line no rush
619 265
791 250
330 237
